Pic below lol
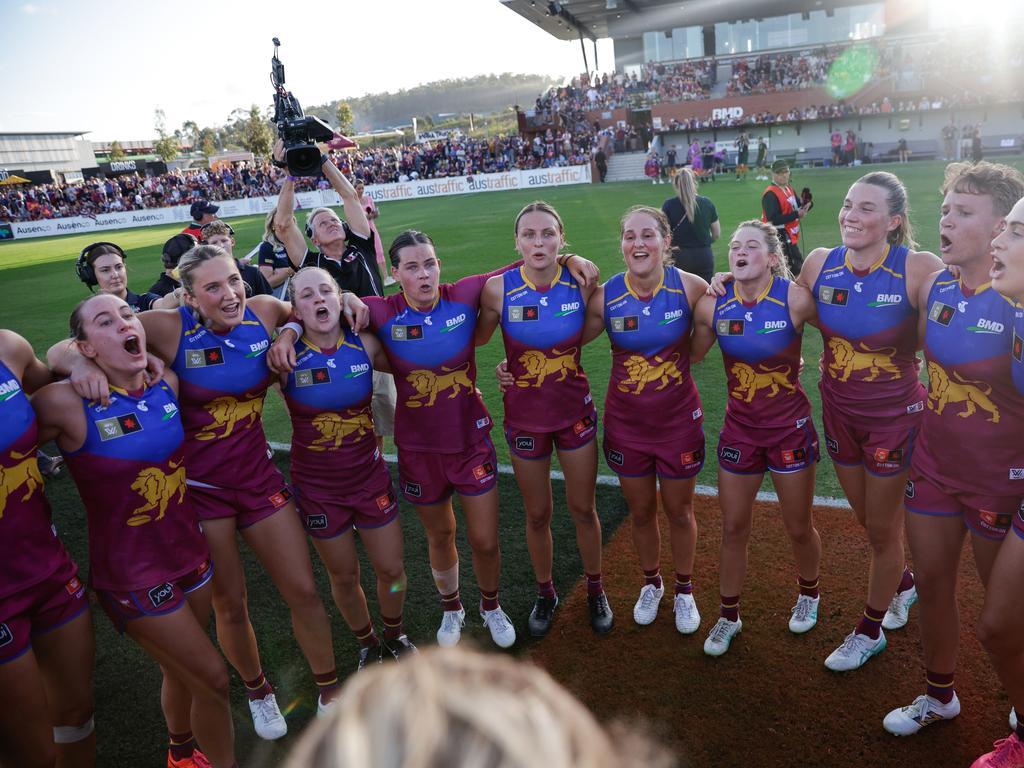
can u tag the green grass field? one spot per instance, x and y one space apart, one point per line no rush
473 234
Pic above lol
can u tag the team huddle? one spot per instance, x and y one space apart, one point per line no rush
159 419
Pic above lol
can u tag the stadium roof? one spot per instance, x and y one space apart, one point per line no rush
44 133
595 19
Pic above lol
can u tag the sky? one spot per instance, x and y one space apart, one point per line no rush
105 67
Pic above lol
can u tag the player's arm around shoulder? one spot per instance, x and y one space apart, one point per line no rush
703 337
694 285
802 307
491 306
18 355
921 268
163 332
921 302
593 322
812 268
375 351
60 415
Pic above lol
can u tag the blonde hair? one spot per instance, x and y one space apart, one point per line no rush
453 708
772 244
269 236
217 227
312 215
304 270
194 257
685 184
661 220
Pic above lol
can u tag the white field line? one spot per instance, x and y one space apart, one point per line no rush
702 490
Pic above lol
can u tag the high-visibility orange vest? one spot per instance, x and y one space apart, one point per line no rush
787 204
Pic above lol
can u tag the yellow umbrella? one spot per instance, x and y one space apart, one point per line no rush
13 180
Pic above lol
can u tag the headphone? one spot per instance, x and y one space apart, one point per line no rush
84 269
169 260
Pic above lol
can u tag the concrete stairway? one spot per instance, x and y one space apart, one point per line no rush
626 166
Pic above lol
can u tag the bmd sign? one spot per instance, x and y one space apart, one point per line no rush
727 113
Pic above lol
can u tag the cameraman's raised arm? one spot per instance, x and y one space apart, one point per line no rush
354 213
285 227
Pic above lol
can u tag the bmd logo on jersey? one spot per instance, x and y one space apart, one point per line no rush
941 313
838 297
160 595
453 322
524 313
671 317
568 309
625 324
201 358
986 326
9 389
771 326
886 300
255 350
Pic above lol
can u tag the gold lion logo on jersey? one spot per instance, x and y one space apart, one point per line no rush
974 394
750 381
847 360
25 472
539 366
227 412
641 373
429 385
334 429
157 488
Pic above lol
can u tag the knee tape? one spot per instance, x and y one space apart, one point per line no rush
447 581
69 734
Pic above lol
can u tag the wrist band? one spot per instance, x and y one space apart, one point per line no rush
292 326
291 178
323 158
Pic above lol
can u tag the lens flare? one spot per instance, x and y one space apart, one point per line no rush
851 71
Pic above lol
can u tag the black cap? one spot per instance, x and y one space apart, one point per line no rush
199 207
177 247
780 166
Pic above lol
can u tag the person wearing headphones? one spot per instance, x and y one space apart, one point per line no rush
102 265
173 250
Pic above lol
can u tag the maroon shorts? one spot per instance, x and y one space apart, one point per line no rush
677 459
538 445
159 600
742 453
264 493
880 453
989 517
1018 521
39 609
428 478
328 510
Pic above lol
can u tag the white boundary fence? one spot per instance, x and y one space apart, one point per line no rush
381 193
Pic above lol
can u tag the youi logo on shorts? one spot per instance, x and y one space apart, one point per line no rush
316 522
161 594
6 636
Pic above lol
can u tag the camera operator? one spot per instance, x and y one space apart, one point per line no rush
346 252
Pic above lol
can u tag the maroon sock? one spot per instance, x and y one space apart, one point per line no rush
258 687
546 588
730 608
489 600
653 578
594 584
940 686
906 581
684 584
393 628
451 602
181 745
871 622
808 587
367 637
327 684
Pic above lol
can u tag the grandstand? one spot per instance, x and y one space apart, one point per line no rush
704 71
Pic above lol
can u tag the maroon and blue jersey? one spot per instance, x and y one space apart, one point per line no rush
761 352
542 330
130 473
328 395
29 548
433 359
972 433
223 380
869 328
651 393
1017 349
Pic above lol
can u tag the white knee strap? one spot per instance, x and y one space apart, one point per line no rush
447 581
69 734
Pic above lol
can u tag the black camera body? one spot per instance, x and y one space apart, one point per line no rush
298 131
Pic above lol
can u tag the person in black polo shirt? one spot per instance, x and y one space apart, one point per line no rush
272 259
203 212
346 252
173 250
102 266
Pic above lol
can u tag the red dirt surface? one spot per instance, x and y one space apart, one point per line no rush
770 701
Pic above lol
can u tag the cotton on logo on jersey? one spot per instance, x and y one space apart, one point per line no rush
9 389
886 300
